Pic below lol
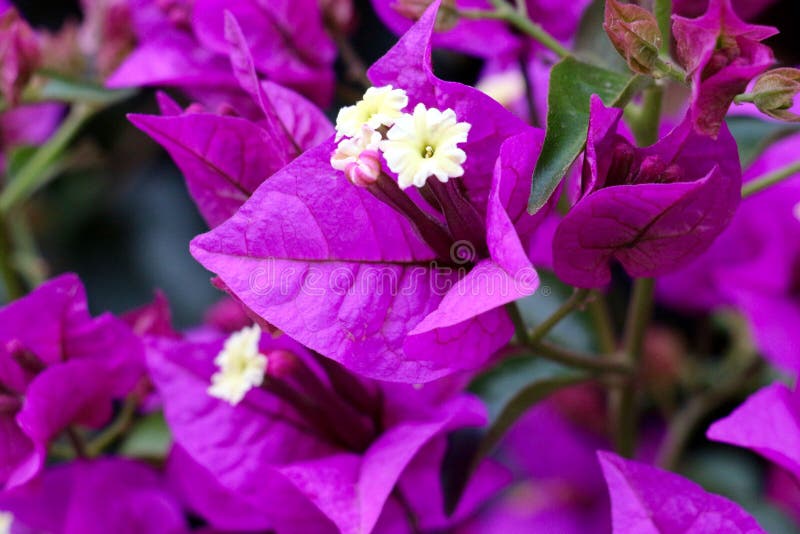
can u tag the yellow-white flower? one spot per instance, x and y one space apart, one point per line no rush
504 87
348 150
6 519
424 144
241 366
380 106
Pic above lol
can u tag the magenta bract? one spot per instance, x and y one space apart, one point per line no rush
58 367
357 283
652 209
721 53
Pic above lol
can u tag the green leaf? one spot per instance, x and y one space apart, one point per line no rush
572 83
18 157
508 390
754 135
65 90
520 403
148 439
497 386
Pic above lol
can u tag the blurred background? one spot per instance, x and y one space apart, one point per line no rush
122 219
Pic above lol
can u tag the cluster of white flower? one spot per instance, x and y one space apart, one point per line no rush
415 145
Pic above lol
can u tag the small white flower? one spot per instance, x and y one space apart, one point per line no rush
6 520
348 150
424 144
504 87
241 366
380 106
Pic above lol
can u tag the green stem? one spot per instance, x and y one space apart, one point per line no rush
667 68
28 259
639 313
507 13
684 423
520 330
117 428
578 360
35 172
601 319
77 442
577 298
645 127
663 13
11 279
764 181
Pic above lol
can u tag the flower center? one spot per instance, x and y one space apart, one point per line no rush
241 366
424 144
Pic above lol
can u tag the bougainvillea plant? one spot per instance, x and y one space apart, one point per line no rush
470 266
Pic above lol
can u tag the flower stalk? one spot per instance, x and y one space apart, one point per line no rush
577 299
624 401
769 179
13 284
520 21
37 169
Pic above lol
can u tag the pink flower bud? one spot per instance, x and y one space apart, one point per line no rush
774 92
446 18
364 171
19 55
338 13
179 12
104 39
634 33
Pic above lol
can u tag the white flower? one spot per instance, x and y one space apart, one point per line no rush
424 144
348 150
380 106
241 366
504 87
6 520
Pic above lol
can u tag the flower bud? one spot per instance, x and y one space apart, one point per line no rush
662 360
179 12
446 18
364 171
338 13
106 34
774 92
19 55
634 33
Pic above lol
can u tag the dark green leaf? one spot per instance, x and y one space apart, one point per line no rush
508 390
497 386
571 85
520 403
754 135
